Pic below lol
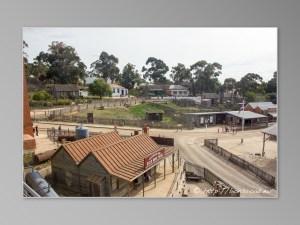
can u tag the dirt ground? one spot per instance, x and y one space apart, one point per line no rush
253 141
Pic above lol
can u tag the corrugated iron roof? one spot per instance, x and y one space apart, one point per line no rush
78 150
246 114
262 105
272 130
125 159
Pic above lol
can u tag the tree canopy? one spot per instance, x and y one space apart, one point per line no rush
180 73
155 70
205 76
129 76
100 88
60 64
106 67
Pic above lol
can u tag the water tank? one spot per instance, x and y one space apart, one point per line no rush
40 185
81 132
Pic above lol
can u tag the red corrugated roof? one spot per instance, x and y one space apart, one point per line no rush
125 159
78 150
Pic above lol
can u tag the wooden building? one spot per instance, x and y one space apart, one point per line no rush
108 165
64 162
122 166
265 108
65 91
251 120
154 115
230 118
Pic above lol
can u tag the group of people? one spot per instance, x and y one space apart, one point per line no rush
228 129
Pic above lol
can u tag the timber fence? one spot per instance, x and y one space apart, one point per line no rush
212 144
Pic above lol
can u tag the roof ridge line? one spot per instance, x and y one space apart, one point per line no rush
92 137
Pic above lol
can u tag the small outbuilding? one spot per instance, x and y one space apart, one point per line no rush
154 115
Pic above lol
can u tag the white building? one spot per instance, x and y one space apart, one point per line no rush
178 91
118 90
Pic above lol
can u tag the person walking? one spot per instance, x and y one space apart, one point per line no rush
36 130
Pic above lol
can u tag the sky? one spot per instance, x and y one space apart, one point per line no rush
238 50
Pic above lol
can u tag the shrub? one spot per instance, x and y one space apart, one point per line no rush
41 96
62 101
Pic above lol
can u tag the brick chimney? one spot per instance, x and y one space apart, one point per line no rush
146 129
28 136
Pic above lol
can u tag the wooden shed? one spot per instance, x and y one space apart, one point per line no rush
154 115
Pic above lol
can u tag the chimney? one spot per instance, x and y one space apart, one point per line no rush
146 129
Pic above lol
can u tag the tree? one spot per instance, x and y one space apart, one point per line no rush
106 67
63 64
156 70
38 70
271 86
100 88
205 76
229 84
180 74
25 60
251 82
129 76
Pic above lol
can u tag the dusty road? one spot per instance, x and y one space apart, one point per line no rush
190 144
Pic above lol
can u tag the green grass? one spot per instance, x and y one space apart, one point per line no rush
138 112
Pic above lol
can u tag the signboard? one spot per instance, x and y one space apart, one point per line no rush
153 158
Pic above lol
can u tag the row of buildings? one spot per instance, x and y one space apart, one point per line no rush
255 115
75 91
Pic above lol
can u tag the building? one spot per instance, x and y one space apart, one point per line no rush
265 108
231 118
177 91
118 90
122 166
83 92
108 165
251 120
214 97
65 91
156 90
64 162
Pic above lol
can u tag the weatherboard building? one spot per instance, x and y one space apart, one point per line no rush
108 164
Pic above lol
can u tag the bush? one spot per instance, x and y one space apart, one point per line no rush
62 101
41 96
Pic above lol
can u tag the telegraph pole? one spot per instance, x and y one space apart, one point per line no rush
243 121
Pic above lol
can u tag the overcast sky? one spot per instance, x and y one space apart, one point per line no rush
238 50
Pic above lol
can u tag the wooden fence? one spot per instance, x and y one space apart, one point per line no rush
209 176
212 144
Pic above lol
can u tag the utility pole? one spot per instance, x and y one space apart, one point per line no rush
243 120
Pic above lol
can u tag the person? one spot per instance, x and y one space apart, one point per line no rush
36 130
59 130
